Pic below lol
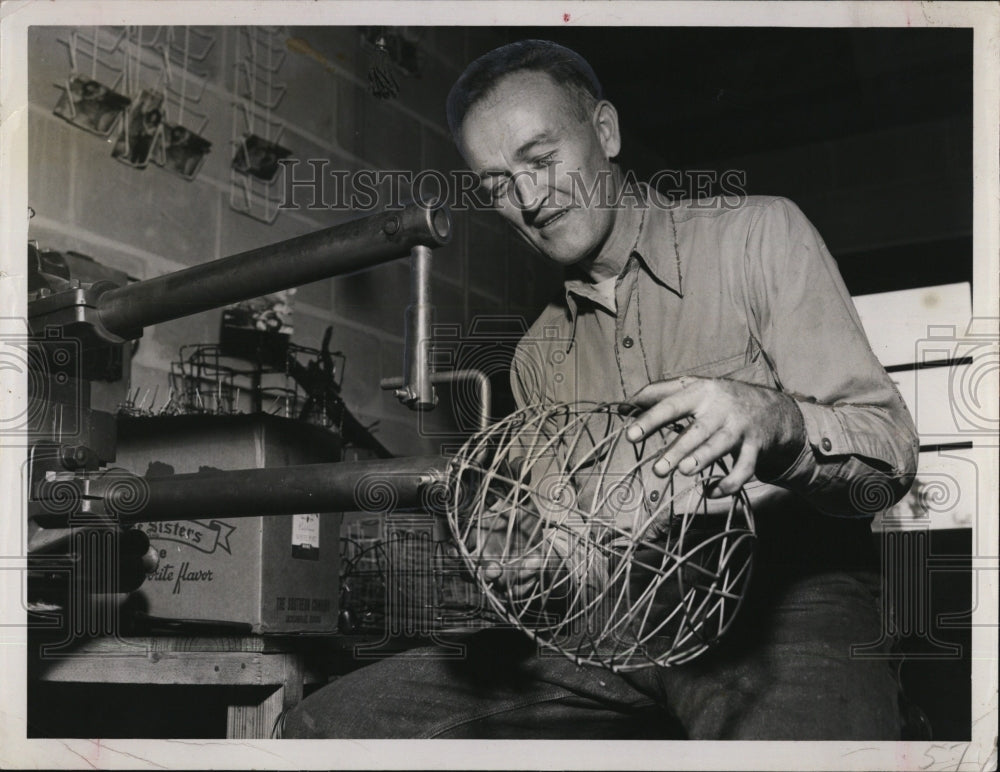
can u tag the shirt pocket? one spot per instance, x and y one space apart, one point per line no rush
748 366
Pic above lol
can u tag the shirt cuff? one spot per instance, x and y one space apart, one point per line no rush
824 437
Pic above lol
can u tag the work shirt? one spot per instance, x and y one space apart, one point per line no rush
744 290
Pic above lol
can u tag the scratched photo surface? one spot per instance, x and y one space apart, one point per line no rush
230 490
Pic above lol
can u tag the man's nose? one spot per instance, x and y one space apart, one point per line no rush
529 191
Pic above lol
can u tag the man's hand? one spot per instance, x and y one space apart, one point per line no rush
500 552
762 428
520 561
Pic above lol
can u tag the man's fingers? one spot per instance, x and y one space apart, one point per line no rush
741 472
522 573
690 441
519 576
490 571
538 574
720 443
683 403
652 393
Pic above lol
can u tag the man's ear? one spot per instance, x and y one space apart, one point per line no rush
606 126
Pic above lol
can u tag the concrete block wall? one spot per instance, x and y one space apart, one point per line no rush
148 222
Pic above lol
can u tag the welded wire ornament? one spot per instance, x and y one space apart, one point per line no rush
574 540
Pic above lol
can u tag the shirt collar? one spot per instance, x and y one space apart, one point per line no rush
655 246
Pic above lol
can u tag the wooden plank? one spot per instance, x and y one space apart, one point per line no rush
143 645
250 643
936 399
254 722
897 323
294 678
177 643
111 646
191 668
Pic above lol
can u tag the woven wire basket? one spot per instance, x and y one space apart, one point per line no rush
603 561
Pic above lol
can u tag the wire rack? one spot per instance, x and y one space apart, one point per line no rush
205 380
405 578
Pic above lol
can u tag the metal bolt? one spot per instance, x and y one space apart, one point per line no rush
74 456
391 225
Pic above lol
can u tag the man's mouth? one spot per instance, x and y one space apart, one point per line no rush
544 222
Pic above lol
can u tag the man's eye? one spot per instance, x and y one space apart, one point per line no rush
493 186
545 160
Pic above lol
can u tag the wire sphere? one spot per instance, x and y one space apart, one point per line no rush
574 540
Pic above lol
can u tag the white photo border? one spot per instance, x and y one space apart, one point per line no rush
18 752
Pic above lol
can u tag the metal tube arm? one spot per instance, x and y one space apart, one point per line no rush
334 251
375 485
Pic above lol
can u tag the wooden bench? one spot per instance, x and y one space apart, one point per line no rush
227 662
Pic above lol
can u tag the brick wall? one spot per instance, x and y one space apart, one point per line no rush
148 222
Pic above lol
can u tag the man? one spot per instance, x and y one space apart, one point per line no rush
732 318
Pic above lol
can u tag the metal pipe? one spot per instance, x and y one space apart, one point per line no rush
341 249
417 392
485 390
380 485
454 376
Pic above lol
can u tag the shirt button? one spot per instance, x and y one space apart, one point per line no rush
654 496
827 445
627 342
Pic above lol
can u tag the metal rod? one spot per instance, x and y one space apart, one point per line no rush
455 376
380 485
418 391
341 249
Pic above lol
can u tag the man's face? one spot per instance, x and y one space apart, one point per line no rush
541 162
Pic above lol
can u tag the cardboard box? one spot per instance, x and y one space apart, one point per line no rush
276 574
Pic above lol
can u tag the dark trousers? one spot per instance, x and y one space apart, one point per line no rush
784 672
